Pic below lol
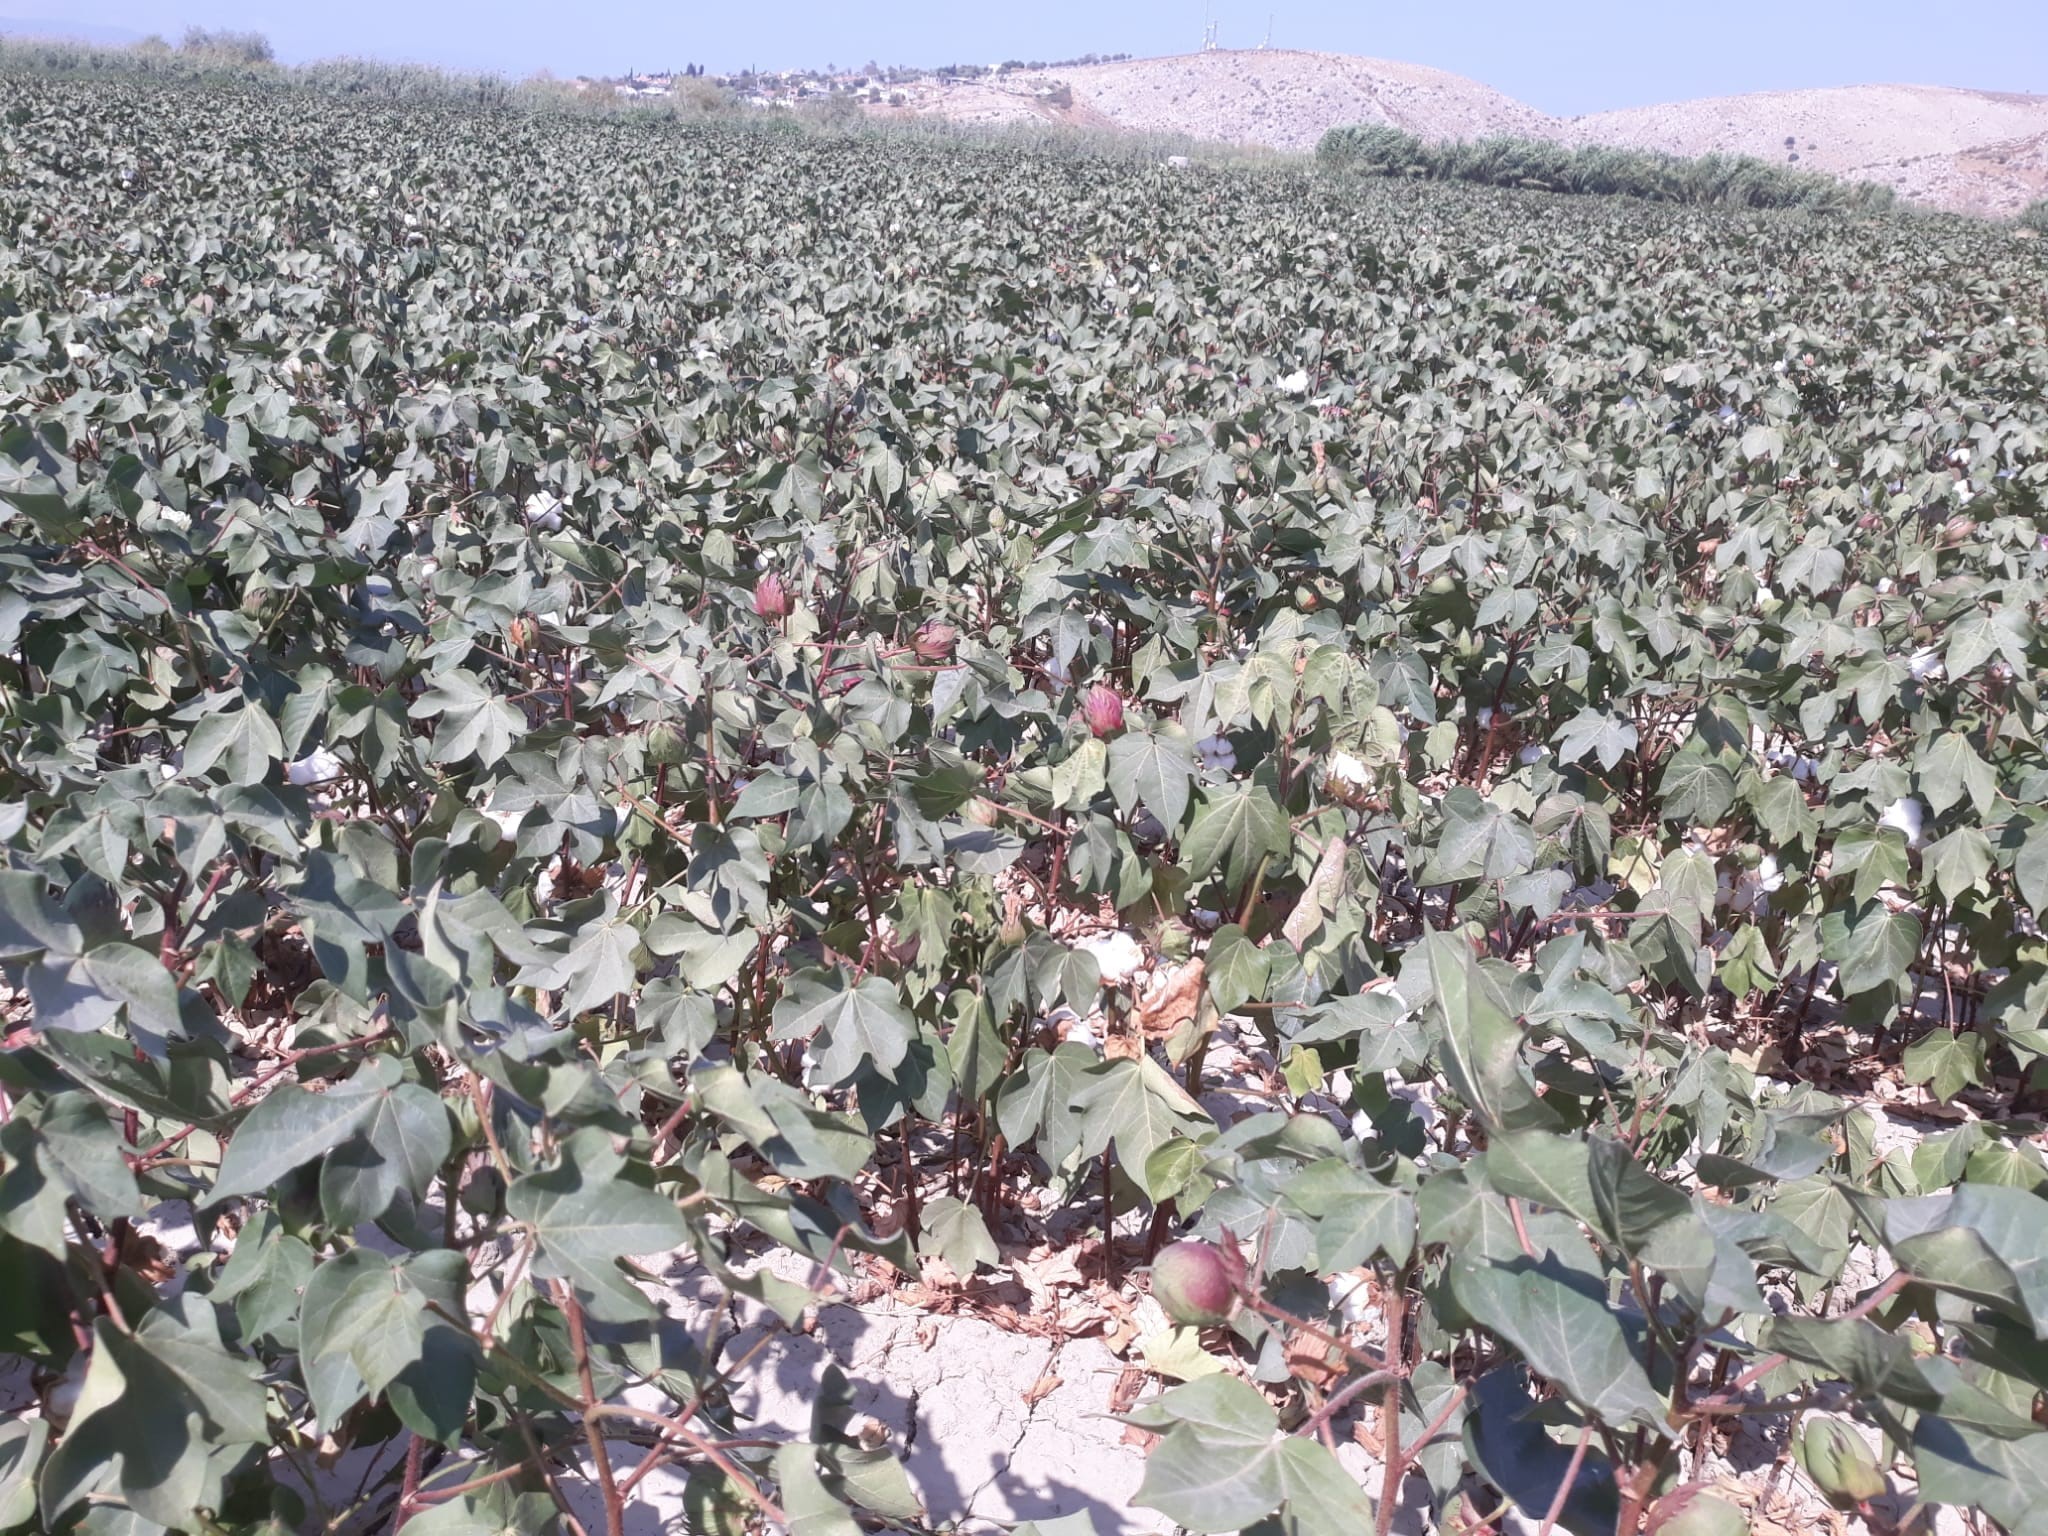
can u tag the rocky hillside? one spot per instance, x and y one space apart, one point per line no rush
1975 151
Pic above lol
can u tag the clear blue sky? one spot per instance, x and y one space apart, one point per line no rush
1565 56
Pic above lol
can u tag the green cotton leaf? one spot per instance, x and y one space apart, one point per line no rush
396 1151
243 742
30 923
1479 840
1038 1100
960 1236
2006 1476
1135 1105
1948 768
1081 775
848 1026
1608 738
1631 1202
263 1278
1977 637
1236 969
1947 1063
1214 1470
368 1326
586 1217
1695 789
1153 769
871 1480
1482 1043
1984 1241
1959 863
22 1442
472 721
85 992
75 1144
290 1126
1782 811
1546 1169
1873 946
1762 441
1355 1217
599 966
341 906
1561 1321
810 1508
1506 1441
153 1410
1235 830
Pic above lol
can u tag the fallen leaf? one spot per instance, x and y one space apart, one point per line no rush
1170 999
1041 1389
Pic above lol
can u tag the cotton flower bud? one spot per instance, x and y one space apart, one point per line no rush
935 641
1103 710
771 598
1692 1511
666 745
1840 1464
1196 1282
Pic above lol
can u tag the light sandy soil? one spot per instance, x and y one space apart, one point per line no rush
1972 151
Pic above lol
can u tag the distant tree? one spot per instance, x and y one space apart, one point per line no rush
2035 216
240 47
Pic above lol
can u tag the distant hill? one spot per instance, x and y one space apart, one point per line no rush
70 31
1973 151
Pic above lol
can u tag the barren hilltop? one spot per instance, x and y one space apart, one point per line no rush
1972 151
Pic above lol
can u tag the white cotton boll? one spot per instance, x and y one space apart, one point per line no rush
1117 955
1345 773
316 767
1764 594
1217 752
1768 875
1909 816
1959 456
1058 673
1296 383
1925 663
544 512
1806 770
1530 755
427 569
1351 1296
1485 716
1886 586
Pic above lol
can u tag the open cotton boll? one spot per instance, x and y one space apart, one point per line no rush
1217 752
1296 383
1924 663
1351 1296
1532 754
1764 594
1345 772
1909 816
1886 586
544 512
1117 956
316 767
